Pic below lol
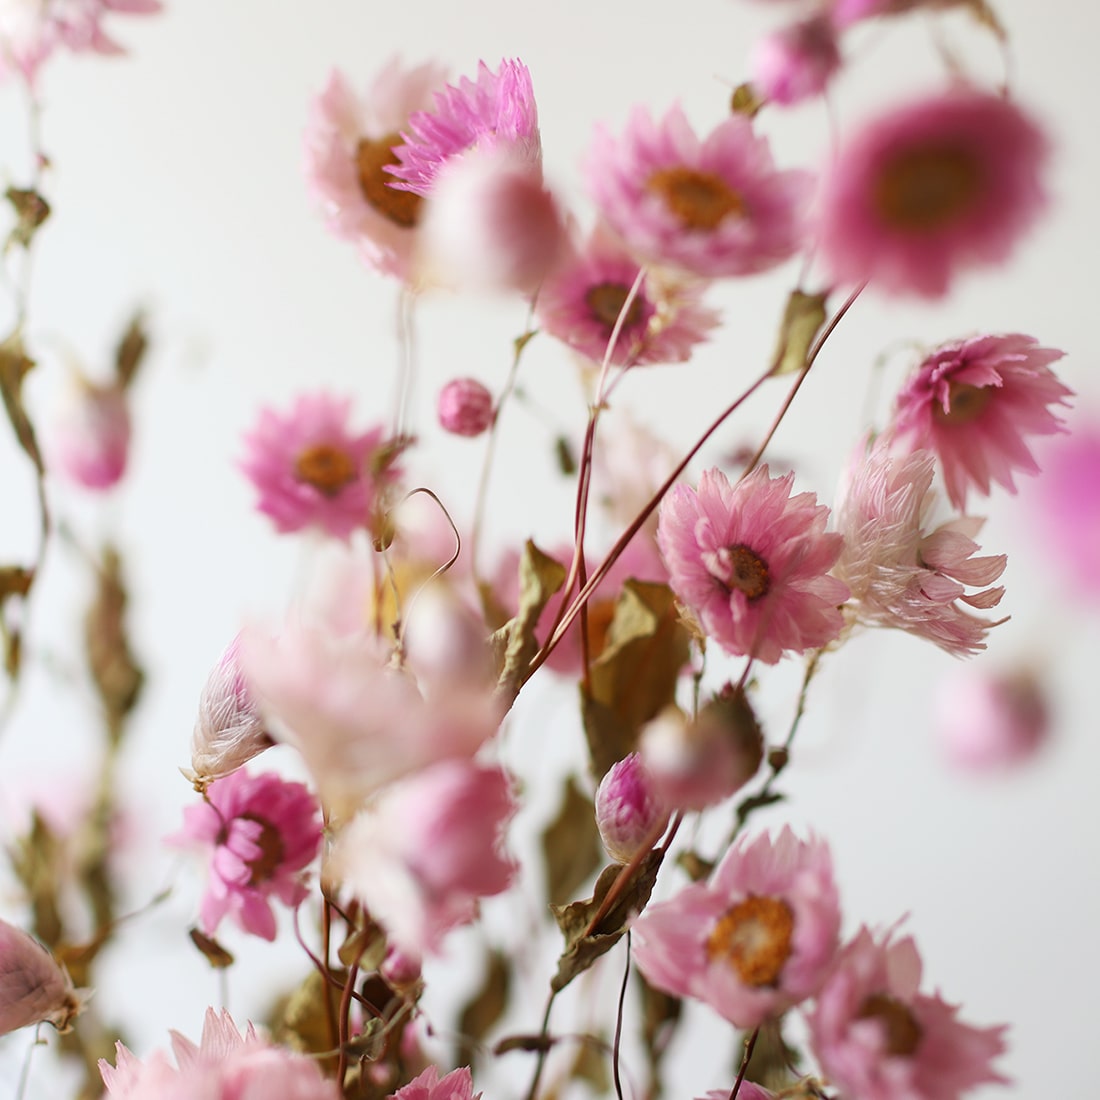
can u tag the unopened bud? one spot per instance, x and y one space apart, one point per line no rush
628 811
90 439
465 407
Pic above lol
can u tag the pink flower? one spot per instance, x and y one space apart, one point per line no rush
751 563
757 938
465 407
349 154
582 298
948 182
796 62
748 1091
847 12
90 437
901 574
226 1065
34 987
263 831
495 112
456 1085
716 206
310 469
628 811
974 402
878 1038
425 851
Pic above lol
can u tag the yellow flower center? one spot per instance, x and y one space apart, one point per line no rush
754 937
923 190
964 403
328 469
605 301
899 1026
701 200
373 159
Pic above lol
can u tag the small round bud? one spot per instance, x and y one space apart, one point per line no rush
628 811
90 437
465 407
796 62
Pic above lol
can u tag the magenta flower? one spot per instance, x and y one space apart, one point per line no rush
796 62
581 300
628 812
311 470
349 157
757 938
716 206
974 402
497 112
426 850
456 1085
89 441
900 573
751 563
263 832
878 1038
948 182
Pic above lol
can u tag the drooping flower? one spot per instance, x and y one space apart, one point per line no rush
34 987
311 469
89 439
628 811
796 62
974 402
349 154
751 563
581 300
226 1065
426 850
497 112
901 574
263 832
456 1085
877 1037
948 182
716 206
757 938
465 407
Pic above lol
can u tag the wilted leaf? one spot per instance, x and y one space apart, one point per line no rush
567 461
15 581
364 948
131 350
745 101
571 845
15 364
484 1010
31 210
582 948
301 1020
802 321
530 1043
590 1064
36 861
695 865
216 955
771 1061
635 676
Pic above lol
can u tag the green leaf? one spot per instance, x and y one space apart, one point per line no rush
571 845
802 321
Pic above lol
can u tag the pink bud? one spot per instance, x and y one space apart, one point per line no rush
90 437
401 969
796 62
34 987
628 811
465 407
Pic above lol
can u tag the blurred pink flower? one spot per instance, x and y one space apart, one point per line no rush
425 851
751 563
900 573
945 183
628 811
877 1037
796 62
974 402
580 302
465 407
716 206
264 831
456 1085
89 438
310 469
759 937
748 1091
497 112
34 987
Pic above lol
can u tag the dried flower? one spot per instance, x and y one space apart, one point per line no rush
628 811
465 407
456 1085
90 437
796 62
34 987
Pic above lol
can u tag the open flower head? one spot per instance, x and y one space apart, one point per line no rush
456 1085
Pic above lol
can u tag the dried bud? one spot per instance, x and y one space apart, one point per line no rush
34 987
400 968
91 435
628 811
465 407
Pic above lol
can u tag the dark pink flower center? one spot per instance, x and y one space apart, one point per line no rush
964 403
327 468
605 302
700 200
900 1029
272 851
754 937
373 160
741 568
924 189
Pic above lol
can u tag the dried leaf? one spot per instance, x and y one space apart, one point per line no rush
745 101
571 845
772 1059
15 581
563 452
530 1043
31 211
802 321
695 865
37 861
301 1020
15 364
364 947
216 955
484 1010
131 350
635 676
582 948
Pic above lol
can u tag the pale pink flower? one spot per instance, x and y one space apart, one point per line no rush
226 1065
989 720
751 563
974 402
456 1085
426 850
877 1037
465 407
497 112
311 470
89 438
628 811
349 154
796 62
901 574
757 938
358 724
264 832
749 1091
229 730
716 206
580 303
629 465
948 182
34 987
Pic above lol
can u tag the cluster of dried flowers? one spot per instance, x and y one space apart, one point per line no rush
402 828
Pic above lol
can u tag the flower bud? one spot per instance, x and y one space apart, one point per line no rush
90 438
796 62
465 407
628 811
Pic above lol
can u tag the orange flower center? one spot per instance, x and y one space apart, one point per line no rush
701 200
605 301
270 843
899 1026
964 403
328 469
754 937
922 190
373 159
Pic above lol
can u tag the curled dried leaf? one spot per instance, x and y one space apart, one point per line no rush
802 320
216 955
570 844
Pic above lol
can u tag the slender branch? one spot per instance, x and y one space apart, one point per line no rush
750 1043
619 1024
540 1059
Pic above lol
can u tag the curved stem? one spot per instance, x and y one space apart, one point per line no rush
540 1059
